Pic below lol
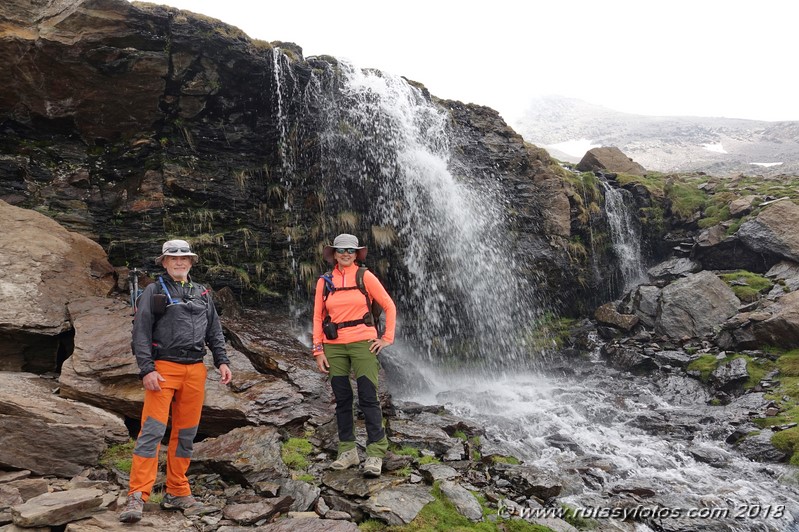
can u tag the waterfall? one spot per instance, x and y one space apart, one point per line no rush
283 75
625 233
387 142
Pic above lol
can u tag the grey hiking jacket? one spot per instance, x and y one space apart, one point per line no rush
182 332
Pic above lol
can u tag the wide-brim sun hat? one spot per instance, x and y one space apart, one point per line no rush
344 241
176 248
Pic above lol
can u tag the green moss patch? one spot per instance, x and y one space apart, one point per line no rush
407 451
747 285
119 456
295 451
788 363
497 459
757 368
787 441
704 365
686 198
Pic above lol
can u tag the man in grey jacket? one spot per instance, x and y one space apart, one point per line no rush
175 319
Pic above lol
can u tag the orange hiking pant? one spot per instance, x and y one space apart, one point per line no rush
184 391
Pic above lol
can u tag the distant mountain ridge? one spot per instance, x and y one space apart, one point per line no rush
567 127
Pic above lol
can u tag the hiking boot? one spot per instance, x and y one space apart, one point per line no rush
133 508
345 460
171 502
372 466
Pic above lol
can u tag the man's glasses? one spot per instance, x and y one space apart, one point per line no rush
177 250
351 251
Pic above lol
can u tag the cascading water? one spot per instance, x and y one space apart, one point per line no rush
386 156
470 305
625 233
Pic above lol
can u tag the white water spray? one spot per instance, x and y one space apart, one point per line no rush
472 306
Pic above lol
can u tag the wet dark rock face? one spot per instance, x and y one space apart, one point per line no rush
130 123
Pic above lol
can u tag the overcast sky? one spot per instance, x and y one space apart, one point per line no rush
728 58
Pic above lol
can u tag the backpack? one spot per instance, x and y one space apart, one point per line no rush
374 310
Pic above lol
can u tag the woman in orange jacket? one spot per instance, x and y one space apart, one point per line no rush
345 339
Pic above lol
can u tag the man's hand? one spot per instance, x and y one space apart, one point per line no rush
224 370
322 363
151 380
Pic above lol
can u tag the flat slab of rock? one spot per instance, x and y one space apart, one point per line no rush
406 432
57 508
309 525
435 472
398 506
351 482
251 513
50 435
151 522
673 268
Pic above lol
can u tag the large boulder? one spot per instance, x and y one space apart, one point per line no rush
43 267
695 306
782 328
775 231
48 434
610 159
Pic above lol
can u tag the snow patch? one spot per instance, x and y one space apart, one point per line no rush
718 148
767 165
575 148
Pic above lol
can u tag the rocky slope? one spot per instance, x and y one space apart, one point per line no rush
718 146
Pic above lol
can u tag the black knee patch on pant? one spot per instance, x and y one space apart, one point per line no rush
370 406
343 393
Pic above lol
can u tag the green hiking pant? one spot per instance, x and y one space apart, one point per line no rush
356 357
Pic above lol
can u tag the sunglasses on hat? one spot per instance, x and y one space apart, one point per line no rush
177 250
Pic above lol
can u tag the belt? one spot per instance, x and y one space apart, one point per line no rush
352 323
180 353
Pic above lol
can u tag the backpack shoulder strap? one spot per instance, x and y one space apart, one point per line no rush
361 285
329 287
166 291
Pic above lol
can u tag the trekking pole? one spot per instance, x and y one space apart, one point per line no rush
133 283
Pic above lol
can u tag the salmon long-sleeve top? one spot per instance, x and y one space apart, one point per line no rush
350 305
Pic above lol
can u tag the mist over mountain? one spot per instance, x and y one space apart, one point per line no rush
568 127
